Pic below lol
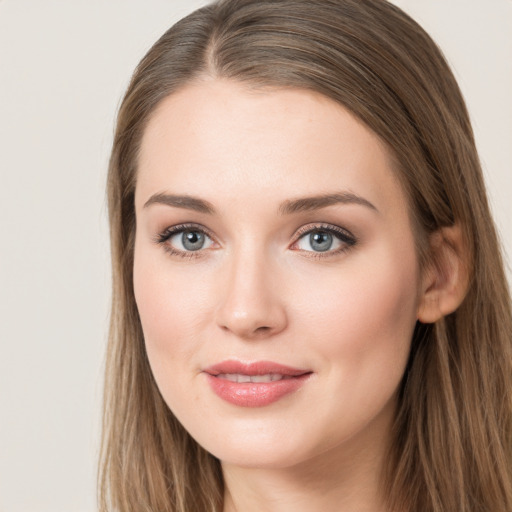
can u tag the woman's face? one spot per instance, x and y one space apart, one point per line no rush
275 273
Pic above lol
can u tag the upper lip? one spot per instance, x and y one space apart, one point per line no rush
254 368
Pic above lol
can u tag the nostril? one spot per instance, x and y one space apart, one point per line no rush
251 319
257 332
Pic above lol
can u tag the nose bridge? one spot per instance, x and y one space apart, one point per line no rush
250 305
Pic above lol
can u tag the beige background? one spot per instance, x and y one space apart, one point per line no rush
63 68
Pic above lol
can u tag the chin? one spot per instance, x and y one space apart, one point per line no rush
256 445
254 458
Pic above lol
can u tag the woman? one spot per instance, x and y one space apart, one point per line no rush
310 310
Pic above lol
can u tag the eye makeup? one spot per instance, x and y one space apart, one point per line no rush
194 237
323 236
190 240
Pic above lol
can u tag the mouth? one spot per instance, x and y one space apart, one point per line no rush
240 377
254 384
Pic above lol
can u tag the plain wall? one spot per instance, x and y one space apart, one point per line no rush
63 68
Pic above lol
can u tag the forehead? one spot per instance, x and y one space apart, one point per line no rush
221 140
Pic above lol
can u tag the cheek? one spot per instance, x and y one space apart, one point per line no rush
169 314
361 321
366 313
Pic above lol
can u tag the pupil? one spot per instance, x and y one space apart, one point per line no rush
192 240
320 241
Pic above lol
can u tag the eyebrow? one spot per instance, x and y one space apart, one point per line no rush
323 201
186 202
286 208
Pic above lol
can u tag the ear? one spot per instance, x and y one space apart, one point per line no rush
445 280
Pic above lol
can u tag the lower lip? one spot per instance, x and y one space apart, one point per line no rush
255 394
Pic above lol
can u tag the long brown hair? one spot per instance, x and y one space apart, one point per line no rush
452 449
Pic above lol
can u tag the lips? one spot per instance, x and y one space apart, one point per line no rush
254 384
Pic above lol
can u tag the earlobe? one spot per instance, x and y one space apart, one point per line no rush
445 280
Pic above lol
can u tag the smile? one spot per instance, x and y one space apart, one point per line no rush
254 384
239 377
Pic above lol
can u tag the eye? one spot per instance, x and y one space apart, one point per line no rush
184 240
190 240
324 239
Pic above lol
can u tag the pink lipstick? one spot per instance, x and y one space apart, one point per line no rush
254 384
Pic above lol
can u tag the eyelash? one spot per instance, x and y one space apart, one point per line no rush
344 236
163 237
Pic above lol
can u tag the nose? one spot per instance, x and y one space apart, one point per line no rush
250 305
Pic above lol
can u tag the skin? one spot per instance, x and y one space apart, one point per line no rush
258 291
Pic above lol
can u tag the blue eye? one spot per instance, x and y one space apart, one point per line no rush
321 241
189 240
325 240
182 239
